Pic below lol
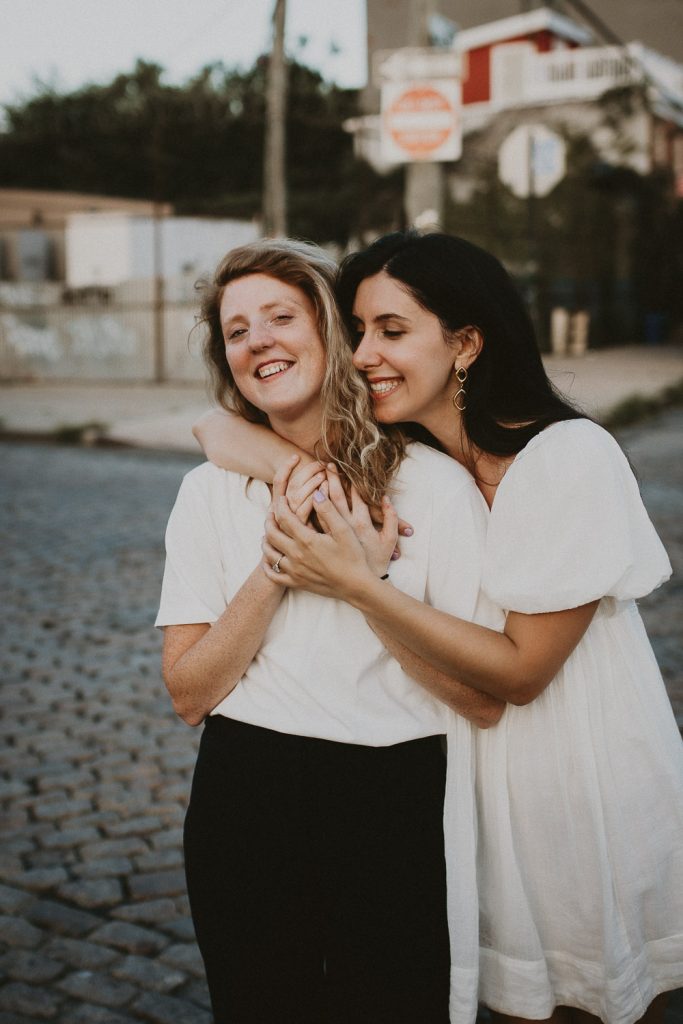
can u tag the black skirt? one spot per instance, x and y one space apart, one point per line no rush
316 878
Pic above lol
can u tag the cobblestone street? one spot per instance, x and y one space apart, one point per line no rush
95 768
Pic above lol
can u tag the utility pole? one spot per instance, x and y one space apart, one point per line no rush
425 185
158 295
159 299
420 13
274 185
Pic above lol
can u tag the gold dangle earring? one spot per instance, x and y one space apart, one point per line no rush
459 399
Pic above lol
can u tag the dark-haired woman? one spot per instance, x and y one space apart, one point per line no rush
580 786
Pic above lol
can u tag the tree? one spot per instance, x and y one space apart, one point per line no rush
198 145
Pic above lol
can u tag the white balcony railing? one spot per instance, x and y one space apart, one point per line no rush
580 74
521 75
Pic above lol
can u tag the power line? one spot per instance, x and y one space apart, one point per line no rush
596 22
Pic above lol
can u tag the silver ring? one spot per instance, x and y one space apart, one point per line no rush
276 565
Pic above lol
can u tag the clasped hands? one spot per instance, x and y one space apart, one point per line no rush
349 552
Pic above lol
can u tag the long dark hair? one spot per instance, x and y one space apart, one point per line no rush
509 396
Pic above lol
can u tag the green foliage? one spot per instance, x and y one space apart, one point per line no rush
198 145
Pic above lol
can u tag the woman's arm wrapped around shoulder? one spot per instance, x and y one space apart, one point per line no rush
232 443
252 449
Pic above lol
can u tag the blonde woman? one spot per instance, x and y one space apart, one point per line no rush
314 839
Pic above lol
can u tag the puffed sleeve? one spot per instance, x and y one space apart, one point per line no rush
193 589
568 526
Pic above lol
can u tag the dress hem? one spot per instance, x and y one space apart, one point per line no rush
533 989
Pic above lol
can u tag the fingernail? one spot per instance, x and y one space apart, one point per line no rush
394 556
408 532
318 497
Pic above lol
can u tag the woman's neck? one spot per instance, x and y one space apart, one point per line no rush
488 469
447 427
304 433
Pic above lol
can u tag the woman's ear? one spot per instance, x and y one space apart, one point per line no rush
468 344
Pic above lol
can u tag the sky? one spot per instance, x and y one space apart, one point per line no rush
70 42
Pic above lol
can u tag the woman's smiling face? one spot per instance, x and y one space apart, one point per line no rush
402 351
273 347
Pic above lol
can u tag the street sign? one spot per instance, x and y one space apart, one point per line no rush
421 121
412 62
532 160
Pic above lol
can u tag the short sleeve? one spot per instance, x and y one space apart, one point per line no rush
568 526
193 589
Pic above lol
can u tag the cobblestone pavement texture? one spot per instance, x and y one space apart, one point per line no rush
95 768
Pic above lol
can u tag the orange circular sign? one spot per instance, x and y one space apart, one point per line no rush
420 120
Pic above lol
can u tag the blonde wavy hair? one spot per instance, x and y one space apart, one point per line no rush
365 454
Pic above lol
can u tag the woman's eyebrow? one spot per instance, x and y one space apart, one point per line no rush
280 302
382 318
262 309
391 316
229 321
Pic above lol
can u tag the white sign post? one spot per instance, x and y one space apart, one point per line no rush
412 62
421 101
421 121
532 160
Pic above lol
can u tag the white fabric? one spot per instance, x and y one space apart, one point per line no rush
321 671
568 525
580 793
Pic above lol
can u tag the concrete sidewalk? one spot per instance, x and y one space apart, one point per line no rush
160 416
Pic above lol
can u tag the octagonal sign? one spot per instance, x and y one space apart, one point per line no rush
532 160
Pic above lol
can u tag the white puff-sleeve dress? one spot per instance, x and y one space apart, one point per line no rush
580 793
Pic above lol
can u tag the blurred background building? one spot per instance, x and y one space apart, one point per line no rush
556 142
103 287
589 88
33 227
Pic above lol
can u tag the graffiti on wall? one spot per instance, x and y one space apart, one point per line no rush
30 342
100 337
77 341
93 337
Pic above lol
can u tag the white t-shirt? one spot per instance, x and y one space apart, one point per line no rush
321 671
